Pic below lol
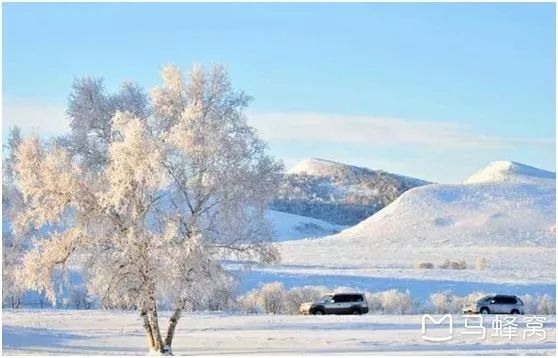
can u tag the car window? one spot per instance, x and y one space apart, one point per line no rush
325 299
340 298
509 300
486 299
498 299
357 298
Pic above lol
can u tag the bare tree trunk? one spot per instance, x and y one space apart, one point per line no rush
147 326
173 321
156 330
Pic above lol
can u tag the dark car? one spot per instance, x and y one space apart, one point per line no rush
337 303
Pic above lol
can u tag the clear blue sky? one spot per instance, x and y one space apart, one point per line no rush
428 90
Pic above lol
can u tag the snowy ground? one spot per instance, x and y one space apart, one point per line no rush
100 332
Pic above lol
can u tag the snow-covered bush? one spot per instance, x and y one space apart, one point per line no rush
79 297
390 302
480 264
272 297
540 304
546 305
530 304
424 265
298 295
250 302
447 302
454 265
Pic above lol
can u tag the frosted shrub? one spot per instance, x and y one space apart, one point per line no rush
298 295
474 297
374 302
439 302
79 298
480 264
529 304
395 302
454 265
446 302
272 297
250 302
424 265
546 305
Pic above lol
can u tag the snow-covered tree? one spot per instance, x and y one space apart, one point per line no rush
91 109
161 200
13 245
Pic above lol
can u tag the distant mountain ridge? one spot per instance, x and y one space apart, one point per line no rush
339 193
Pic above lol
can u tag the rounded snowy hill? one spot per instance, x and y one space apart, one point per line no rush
507 171
501 205
505 212
323 167
330 168
338 193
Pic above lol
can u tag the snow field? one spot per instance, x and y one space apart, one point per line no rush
102 332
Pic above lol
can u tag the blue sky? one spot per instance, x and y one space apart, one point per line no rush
434 91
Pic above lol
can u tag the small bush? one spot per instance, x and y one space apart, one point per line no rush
250 302
546 305
480 264
298 295
454 265
272 296
424 265
390 302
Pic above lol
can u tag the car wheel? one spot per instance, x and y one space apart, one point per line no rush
484 310
356 312
514 311
319 312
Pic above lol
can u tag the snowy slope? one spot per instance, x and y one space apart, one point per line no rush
507 171
294 227
505 212
507 208
324 167
338 193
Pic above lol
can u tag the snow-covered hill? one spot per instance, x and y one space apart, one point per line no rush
505 213
294 227
512 209
507 171
339 193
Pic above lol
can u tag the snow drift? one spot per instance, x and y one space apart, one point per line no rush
293 227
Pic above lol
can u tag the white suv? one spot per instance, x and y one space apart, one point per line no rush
496 304
337 303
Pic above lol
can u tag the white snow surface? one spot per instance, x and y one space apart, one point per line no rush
68 332
317 166
501 171
294 227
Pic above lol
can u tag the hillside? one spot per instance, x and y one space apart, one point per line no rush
505 213
295 227
339 193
